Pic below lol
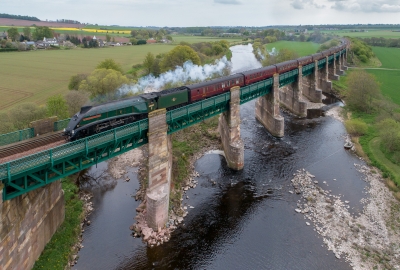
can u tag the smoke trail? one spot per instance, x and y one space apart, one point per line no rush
189 73
260 54
273 51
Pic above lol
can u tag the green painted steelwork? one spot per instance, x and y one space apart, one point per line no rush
256 90
60 125
330 59
37 170
308 69
195 113
288 77
321 63
16 136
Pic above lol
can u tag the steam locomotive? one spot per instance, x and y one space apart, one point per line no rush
94 119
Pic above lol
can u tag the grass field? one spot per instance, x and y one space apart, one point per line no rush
33 76
389 57
194 39
389 79
302 48
370 33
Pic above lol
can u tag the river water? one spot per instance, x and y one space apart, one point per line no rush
236 220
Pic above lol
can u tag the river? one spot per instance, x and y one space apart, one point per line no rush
236 220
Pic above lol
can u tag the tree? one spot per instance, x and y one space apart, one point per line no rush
27 32
302 37
6 124
169 38
133 41
179 55
57 106
76 80
23 114
103 82
141 42
75 100
110 64
13 34
148 62
41 32
108 38
363 91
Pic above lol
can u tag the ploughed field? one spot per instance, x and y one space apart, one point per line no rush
302 48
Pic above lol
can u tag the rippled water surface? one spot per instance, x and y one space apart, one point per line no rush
240 220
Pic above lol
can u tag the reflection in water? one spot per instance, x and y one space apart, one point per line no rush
236 220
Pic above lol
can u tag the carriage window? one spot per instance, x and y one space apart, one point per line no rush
237 81
223 85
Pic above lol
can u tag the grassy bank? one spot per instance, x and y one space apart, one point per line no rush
185 145
371 142
58 251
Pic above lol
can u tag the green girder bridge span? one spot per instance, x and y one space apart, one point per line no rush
34 171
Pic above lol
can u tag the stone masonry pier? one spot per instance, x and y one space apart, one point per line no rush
311 88
160 161
229 128
267 111
290 96
27 224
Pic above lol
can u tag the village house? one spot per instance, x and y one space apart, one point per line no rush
3 35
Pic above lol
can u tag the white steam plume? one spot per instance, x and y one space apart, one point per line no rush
189 73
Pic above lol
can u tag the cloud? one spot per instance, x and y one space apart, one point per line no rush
301 4
367 6
228 2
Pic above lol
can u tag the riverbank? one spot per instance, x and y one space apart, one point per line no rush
368 240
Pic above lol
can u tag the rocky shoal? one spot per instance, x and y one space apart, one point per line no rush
368 241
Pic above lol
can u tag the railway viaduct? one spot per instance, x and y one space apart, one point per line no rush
32 201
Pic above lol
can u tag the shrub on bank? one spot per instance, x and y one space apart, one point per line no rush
356 127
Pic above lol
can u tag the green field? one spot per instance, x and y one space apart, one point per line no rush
370 33
302 48
195 39
389 57
389 79
33 76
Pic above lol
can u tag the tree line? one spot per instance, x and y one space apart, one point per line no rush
382 42
18 17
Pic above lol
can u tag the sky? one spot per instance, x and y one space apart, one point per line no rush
209 12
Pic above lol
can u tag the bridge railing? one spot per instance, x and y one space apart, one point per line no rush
28 133
308 69
194 113
33 171
60 125
16 136
255 90
321 63
288 77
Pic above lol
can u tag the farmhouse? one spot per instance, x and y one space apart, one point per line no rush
3 35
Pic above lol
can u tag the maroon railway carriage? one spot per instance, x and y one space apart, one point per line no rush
202 90
256 75
317 56
326 53
286 66
303 61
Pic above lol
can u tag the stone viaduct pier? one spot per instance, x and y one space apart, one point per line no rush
33 205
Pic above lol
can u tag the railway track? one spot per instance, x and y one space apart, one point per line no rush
15 148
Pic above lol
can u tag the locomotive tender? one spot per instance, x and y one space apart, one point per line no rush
94 119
